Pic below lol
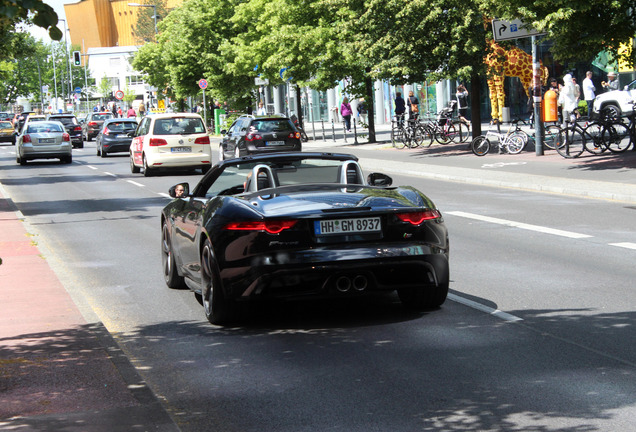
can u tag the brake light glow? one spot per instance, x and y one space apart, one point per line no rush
253 137
416 218
77 128
92 123
271 227
66 137
26 139
202 140
106 131
154 142
294 135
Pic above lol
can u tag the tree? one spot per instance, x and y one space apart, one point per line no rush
20 72
13 12
144 28
105 89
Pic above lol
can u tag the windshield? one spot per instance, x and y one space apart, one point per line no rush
121 126
44 127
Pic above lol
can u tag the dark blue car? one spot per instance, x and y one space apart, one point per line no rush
115 136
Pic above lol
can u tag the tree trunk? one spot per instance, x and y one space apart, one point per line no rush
475 113
299 108
368 84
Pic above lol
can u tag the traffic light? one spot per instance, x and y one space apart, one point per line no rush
77 58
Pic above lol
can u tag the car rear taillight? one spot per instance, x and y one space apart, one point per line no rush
26 139
416 218
154 142
253 137
272 227
106 131
77 129
92 123
202 140
66 137
294 135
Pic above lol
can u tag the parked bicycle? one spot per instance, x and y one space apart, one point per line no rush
595 137
513 141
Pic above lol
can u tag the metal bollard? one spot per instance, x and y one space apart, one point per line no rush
355 132
333 131
313 129
344 128
323 130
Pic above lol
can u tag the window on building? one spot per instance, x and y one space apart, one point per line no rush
136 80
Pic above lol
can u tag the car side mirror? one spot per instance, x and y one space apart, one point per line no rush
379 179
626 88
181 190
223 132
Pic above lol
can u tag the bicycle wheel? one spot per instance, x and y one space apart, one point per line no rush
594 138
573 142
551 137
616 137
463 132
397 138
425 135
515 143
480 145
445 134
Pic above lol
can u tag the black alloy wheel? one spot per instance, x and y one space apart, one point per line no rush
218 309
170 273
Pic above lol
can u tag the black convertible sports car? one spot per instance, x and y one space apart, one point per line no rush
301 225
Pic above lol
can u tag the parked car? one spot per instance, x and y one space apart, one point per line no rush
115 136
44 140
615 104
6 116
93 122
72 126
252 134
19 122
302 225
170 141
7 132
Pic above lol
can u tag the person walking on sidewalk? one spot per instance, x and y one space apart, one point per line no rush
462 104
400 107
345 111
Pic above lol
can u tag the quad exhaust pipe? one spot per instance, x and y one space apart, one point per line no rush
357 283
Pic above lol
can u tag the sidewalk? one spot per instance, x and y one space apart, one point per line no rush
57 371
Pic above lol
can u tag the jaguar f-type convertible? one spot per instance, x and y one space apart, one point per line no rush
301 225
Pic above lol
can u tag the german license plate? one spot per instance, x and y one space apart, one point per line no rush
47 140
275 143
347 226
123 136
181 149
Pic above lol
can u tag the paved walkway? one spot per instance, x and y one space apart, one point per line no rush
57 371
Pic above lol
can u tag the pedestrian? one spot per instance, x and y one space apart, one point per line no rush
362 111
414 105
589 92
462 103
567 97
114 111
142 109
577 94
345 111
120 113
261 109
612 81
131 113
400 107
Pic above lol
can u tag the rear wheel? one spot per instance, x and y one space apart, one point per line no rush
423 298
21 161
463 132
551 137
218 309
398 138
480 145
616 137
594 139
610 113
515 143
133 168
446 134
98 150
571 143
147 170
170 273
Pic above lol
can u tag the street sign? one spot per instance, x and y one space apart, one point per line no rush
119 94
203 84
261 81
515 29
78 89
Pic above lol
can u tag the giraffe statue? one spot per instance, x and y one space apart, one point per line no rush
513 62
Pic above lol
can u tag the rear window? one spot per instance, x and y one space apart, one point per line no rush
102 117
121 126
178 126
42 127
66 121
271 125
6 125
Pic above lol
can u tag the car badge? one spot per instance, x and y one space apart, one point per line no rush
180 141
275 136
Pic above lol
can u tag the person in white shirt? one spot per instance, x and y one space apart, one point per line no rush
588 91
568 97
261 109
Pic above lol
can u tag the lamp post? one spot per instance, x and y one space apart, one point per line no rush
154 9
68 62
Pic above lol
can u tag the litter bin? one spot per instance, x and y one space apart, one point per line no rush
505 114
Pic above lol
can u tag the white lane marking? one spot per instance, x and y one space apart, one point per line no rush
91 167
626 245
494 312
135 183
501 164
110 174
514 224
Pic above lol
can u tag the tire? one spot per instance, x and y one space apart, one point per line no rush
221 153
446 136
68 159
616 137
237 152
552 136
147 171
480 146
80 145
571 143
420 299
133 168
98 152
398 139
515 143
463 132
170 273
610 113
427 136
88 137
218 309
21 161
594 138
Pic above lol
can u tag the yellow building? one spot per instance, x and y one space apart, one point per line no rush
106 23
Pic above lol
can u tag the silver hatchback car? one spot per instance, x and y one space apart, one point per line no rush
44 140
